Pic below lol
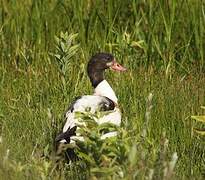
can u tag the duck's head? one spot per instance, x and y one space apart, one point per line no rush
98 64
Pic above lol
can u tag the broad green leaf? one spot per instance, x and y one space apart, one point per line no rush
62 45
72 50
57 56
72 36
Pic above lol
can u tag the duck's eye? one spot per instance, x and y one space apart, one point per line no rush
107 59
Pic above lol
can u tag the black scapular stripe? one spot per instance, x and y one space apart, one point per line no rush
107 105
69 154
66 135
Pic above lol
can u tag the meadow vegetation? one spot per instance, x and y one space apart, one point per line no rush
44 49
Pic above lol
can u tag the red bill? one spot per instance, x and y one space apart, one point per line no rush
117 67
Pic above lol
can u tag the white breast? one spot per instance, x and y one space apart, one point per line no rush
104 89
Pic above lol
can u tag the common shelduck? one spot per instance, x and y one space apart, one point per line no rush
103 99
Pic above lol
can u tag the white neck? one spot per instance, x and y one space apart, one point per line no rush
104 89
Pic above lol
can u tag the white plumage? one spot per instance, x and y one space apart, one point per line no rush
92 102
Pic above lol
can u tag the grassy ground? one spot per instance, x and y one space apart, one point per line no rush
160 42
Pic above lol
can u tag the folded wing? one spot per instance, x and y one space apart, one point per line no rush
92 103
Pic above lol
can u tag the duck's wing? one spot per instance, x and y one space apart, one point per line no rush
82 104
93 103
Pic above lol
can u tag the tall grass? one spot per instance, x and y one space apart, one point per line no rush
161 43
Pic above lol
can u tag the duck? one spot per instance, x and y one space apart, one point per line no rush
103 99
